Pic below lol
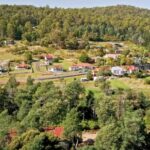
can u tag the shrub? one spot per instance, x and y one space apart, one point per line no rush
56 60
93 124
89 75
105 73
84 125
147 80
84 58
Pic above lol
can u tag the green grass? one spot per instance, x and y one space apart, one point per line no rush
65 63
116 83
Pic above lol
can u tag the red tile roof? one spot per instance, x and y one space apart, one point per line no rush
82 65
56 131
132 68
23 66
47 56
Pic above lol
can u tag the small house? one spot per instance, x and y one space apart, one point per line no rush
74 68
145 66
56 69
83 79
48 58
22 66
131 69
55 131
81 66
97 78
118 71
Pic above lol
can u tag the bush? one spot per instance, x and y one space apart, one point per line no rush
56 60
147 80
89 75
93 124
84 125
105 73
89 125
84 58
138 74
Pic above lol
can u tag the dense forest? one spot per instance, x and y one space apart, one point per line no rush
122 116
73 28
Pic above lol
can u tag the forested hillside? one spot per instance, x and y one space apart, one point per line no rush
64 27
25 114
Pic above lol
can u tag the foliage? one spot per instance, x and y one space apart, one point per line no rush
147 80
89 75
84 58
122 122
63 27
73 92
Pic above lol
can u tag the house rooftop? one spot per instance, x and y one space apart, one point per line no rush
22 65
56 131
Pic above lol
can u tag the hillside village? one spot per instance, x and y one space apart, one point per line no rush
112 59
74 79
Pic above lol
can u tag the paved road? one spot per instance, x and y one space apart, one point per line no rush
57 76
48 77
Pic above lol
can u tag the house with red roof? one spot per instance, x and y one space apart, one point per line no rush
55 131
131 69
48 58
22 66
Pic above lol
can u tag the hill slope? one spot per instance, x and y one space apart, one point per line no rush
64 26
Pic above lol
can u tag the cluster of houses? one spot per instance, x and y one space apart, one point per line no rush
48 59
122 70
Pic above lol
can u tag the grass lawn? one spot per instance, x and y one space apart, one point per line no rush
66 63
137 85
118 83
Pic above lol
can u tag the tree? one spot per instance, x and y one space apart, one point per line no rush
105 86
89 75
11 86
28 57
73 92
84 58
43 141
100 62
11 30
72 127
3 28
126 131
30 81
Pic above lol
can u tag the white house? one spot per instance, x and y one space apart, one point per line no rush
74 68
56 69
98 78
83 79
81 66
118 71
